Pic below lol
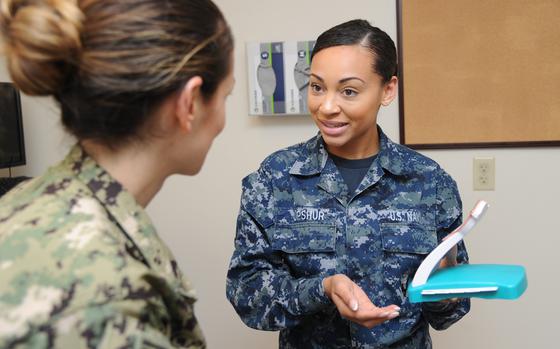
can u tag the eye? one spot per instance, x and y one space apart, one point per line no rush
315 88
348 92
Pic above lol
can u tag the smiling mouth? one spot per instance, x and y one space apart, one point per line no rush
333 124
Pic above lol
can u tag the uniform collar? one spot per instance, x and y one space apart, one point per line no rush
312 161
124 210
391 156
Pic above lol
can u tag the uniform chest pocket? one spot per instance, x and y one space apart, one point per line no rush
303 237
408 238
405 246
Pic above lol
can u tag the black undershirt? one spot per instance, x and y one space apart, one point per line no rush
352 171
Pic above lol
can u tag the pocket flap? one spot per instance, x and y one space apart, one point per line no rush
408 238
304 237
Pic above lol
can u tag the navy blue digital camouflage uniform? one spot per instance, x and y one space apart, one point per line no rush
298 224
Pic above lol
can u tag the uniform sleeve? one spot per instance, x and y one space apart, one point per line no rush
125 331
441 315
120 330
259 284
104 327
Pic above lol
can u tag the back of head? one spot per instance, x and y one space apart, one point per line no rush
360 32
109 63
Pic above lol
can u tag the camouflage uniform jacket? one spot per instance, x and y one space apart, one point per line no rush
81 266
297 224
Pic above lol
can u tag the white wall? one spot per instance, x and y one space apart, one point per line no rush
197 215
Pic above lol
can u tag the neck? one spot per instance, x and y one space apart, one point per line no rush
138 169
364 147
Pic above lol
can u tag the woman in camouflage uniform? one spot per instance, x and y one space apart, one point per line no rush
331 230
142 85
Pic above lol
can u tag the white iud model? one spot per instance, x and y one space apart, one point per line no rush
489 281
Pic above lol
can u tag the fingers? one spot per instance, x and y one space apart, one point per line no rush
341 290
348 296
353 304
343 308
375 313
370 316
384 314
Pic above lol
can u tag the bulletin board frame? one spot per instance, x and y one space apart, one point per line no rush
457 90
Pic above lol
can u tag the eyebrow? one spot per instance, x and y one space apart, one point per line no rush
341 80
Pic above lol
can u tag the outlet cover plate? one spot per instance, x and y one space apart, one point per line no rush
484 173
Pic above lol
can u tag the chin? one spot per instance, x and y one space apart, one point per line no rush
192 168
335 142
193 172
194 163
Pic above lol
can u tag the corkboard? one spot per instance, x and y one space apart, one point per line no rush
479 73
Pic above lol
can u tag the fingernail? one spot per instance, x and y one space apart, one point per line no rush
354 305
396 309
393 315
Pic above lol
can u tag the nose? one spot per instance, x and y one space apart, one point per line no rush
329 105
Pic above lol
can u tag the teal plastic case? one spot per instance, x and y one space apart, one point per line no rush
490 281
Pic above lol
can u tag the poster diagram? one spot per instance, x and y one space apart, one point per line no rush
278 77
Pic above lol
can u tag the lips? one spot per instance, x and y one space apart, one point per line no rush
334 124
333 128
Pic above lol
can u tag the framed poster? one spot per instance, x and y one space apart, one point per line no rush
278 76
479 73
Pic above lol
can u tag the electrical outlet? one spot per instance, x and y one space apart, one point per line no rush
484 172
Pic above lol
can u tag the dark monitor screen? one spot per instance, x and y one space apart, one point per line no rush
12 149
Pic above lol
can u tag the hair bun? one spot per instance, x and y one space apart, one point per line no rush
42 42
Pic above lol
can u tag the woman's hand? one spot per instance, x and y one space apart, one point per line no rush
353 304
450 259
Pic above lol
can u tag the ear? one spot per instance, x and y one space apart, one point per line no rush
390 91
185 111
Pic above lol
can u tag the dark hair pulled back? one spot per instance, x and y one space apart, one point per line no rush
110 63
360 32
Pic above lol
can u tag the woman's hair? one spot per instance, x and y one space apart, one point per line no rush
110 63
360 32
